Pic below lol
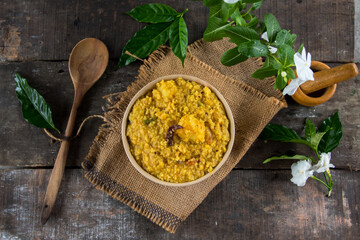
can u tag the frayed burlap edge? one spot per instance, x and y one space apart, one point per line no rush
121 193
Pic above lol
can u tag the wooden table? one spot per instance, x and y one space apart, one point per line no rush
255 201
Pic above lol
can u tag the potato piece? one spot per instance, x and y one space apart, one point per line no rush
193 129
167 89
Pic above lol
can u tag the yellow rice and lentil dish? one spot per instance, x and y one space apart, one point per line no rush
179 131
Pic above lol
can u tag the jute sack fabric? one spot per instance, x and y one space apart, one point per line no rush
108 168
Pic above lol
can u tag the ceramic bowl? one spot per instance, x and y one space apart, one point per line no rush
145 90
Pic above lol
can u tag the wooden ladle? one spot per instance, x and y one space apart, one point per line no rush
88 61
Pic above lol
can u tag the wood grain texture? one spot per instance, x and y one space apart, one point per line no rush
47 30
247 204
21 144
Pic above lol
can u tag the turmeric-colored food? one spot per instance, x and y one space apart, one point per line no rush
199 140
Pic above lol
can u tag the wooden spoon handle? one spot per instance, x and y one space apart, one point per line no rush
328 77
59 167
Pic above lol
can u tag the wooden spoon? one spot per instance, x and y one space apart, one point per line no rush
88 61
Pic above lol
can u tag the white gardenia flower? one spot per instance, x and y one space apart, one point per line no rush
303 64
324 163
301 171
266 38
293 86
231 1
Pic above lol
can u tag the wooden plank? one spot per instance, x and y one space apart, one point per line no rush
24 145
47 30
246 205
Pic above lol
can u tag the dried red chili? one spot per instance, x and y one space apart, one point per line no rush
170 134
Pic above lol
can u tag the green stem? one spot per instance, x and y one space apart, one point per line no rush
313 177
246 13
329 193
326 179
275 58
327 186
181 14
329 176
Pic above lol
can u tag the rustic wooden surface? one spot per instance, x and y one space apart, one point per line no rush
248 204
255 201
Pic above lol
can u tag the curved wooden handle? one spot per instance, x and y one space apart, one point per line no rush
328 77
59 167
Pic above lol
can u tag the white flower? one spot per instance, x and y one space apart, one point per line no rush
272 49
231 1
303 64
293 86
303 70
301 171
266 38
324 163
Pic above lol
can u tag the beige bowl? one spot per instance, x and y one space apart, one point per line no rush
145 90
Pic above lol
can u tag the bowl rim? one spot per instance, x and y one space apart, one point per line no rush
145 90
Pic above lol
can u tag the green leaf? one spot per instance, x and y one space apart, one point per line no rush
256 5
215 29
264 72
301 48
232 57
277 132
253 23
290 73
178 38
281 133
333 136
310 129
272 62
247 16
210 3
311 135
236 16
286 55
253 48
315 140
150 120
297 157
34 108
261 28
240 34
280 82
284 37
222 10
144 42
272 26
153 13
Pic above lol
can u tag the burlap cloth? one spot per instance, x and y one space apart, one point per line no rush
253 103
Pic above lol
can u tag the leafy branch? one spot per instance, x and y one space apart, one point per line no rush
253 37
321 141
165 24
